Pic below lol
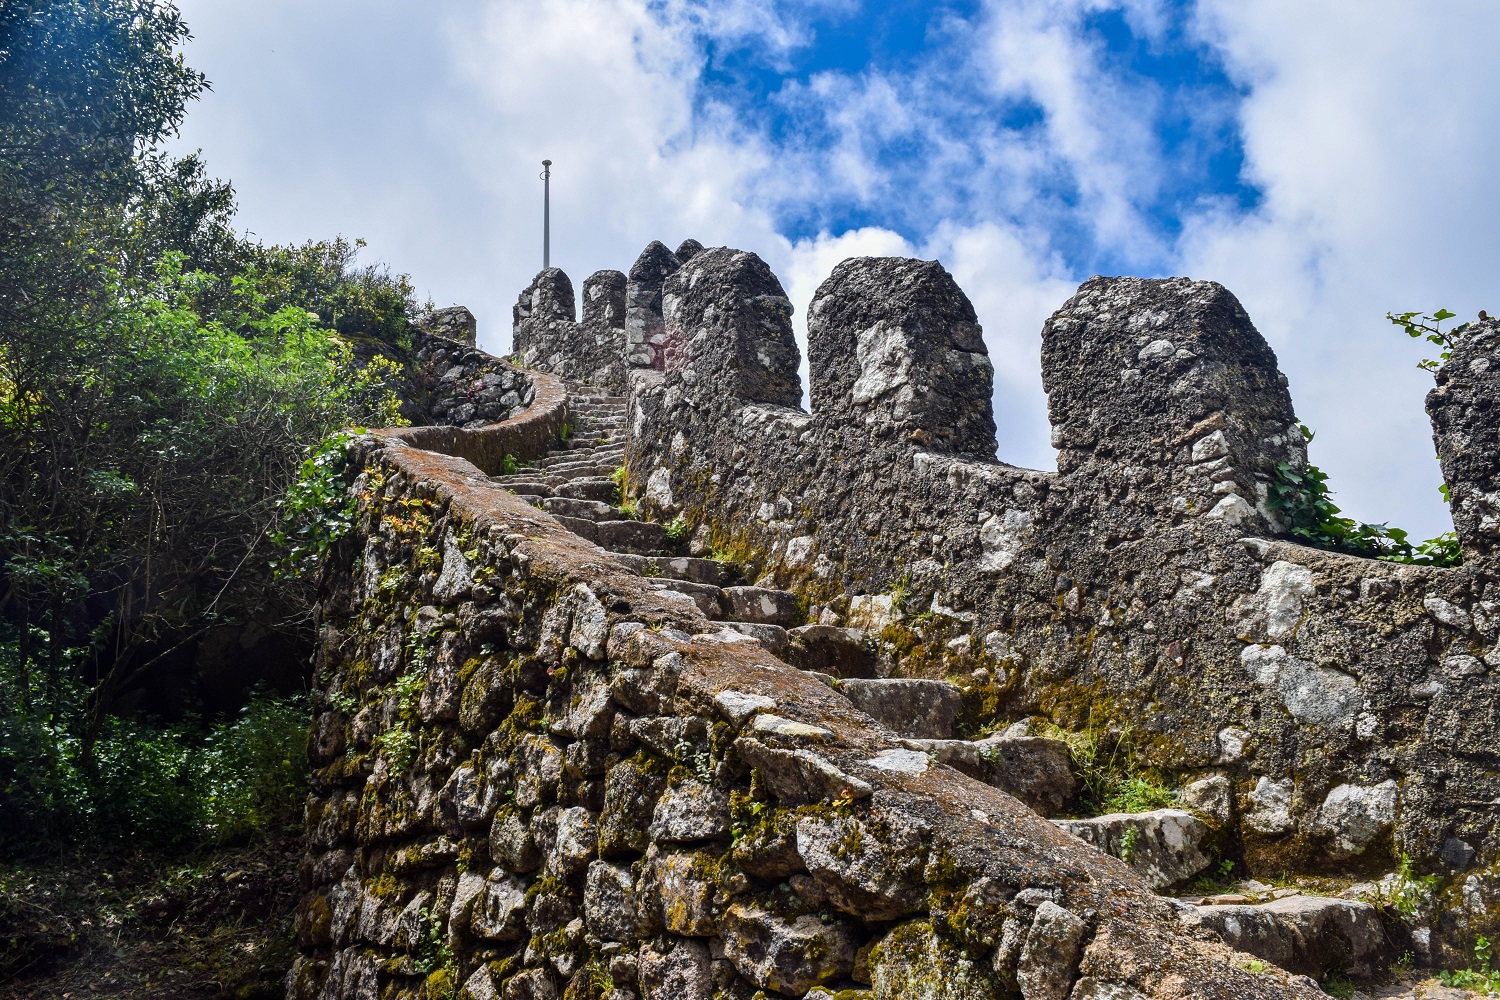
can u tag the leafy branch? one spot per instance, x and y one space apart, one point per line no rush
1305 504
1420 326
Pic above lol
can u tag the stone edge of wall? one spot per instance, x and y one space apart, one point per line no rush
1136 937
524 436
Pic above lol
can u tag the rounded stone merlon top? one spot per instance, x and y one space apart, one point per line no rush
733 311
654 264
687 250
894 347
1143 369
604 298
549 297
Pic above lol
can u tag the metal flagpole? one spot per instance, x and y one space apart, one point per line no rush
546 214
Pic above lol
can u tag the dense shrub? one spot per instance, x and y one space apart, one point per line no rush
145 784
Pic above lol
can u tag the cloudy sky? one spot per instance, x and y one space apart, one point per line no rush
1328 161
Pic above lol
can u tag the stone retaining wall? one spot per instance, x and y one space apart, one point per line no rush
537 778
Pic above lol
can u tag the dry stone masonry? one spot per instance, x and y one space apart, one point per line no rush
719 697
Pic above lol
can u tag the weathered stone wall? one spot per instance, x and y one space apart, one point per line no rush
454 384
1350 702
622 328
535 777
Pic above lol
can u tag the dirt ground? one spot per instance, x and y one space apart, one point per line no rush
167 926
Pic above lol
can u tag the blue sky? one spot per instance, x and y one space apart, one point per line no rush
1327 161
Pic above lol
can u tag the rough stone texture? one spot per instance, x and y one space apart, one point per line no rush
454 323
1307 934
547 337
1147 583
456 385
1165 845
536 844
920 708
1463 422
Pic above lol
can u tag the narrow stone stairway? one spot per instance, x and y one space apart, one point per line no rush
577 483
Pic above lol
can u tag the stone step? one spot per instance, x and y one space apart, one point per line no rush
682 568
828 649
599 488
762 606
1166 847
613 458
1035 769
580 470
910 707
1307 935
591 510
535 499
523 484
579 526
640 537
706 596
772 637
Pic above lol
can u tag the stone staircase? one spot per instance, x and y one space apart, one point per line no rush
576 483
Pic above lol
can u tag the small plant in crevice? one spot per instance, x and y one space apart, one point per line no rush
1303 501
1110 780
1420 326
1481 978
678 529
1337 984
508 465
1405 891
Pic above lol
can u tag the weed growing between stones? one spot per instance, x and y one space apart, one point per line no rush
1108 774
1304 502
1481 978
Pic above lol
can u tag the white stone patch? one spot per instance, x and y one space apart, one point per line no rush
659 488
1313 695
901 761
872 612
1002 538
787 729
1157 350
1232 741
1210 446
799 550
884 364
998 645
1355 815
1233 510
590 629
1284 586
1270 806
1447 613
1462 665
738 706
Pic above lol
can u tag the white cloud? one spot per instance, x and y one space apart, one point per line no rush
1370 129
